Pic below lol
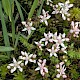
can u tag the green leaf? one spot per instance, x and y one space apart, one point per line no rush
74 74
12 3
25 43
4 49
19 76
16 17
75 14
3 71
7 7
54 60
17 38
39 11
42 30
27 37
13 30
19 9
68 63
3 57
74 54
34 6
4 29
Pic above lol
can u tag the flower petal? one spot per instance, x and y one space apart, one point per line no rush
58 75
32 28
24 29
26 62
38 68
12 70
46 23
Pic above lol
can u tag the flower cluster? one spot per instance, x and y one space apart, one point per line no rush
63 9
61 70
75 28
18 64
48 38
27 57
56 40
41 64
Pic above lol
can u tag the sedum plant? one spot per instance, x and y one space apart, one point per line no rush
43 43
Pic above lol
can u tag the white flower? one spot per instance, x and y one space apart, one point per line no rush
64 14
56 9
48 2
66 5
63 49
55 36
13 66
27 57
39 44
59 40
63 8
53 50
61 70
44 17
42 67
48 37
75 30
28 27
63 36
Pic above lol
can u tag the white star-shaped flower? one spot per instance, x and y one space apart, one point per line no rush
63 9
28 27
48 38
44 17
39 44
54 50
42 67
27 57
61 70
65 5
13 66
56 9
75 28
60 39
64 37
63 49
